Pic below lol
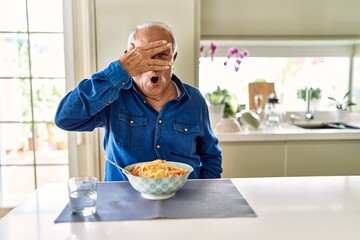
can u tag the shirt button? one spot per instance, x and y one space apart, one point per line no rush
110 102
123 83
160 121
185 129
131 121
144 101
158 146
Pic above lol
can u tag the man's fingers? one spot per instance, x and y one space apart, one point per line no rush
152 52
157 68
157 65
137 60
157 62
155 44
153 48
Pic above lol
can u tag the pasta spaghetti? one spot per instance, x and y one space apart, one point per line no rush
157 169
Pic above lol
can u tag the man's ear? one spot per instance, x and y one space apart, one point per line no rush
130 47
174 57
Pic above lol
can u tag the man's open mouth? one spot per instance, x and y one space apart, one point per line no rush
154 79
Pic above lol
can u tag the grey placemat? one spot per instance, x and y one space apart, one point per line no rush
197 199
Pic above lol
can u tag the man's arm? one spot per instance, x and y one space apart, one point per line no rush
209 151
81 109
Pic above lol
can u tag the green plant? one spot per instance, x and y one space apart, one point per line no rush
316 93
345 103
224 96
216 97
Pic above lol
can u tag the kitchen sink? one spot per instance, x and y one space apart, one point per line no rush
325 125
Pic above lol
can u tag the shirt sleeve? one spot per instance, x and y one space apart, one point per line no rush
83 109
209 151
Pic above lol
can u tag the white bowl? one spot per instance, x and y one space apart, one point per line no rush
158 188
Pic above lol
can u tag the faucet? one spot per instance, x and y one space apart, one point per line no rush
308 115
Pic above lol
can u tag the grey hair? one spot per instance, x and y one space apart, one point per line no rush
153 24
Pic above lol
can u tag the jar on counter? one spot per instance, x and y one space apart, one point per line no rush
273 112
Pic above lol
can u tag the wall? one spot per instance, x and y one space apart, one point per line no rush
116 19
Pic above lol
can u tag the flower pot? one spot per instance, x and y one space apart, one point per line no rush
216 112
342 115
228 125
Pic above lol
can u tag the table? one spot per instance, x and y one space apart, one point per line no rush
287 208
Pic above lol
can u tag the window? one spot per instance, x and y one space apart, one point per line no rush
32 81
290 65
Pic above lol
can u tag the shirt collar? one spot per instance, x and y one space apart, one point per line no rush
128 84
183 93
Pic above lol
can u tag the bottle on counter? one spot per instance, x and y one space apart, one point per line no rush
273 112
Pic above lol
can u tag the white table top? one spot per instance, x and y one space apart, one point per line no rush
287 208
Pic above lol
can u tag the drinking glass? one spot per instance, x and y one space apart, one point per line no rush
82 195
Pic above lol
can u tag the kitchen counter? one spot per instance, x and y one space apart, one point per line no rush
290 151
286 207
290 132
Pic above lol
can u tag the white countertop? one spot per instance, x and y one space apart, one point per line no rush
289 133
287 208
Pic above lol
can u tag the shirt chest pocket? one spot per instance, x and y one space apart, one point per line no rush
185 138
130 131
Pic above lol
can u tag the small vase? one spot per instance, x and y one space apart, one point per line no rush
342 115
228 125
216 112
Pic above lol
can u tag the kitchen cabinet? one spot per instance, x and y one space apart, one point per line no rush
323 158
291 158
278 18
253 159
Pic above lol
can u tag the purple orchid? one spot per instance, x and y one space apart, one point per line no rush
213 49
235 52
202 48
232 52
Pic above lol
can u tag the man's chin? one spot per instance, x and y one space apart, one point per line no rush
153 85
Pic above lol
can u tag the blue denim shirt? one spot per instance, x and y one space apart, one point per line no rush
135 131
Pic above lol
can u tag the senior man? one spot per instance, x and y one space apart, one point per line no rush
147 112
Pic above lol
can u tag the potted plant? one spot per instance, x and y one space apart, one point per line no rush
343 107
216 97
311 97
344 104
226 98
223 120
216 107
315 95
